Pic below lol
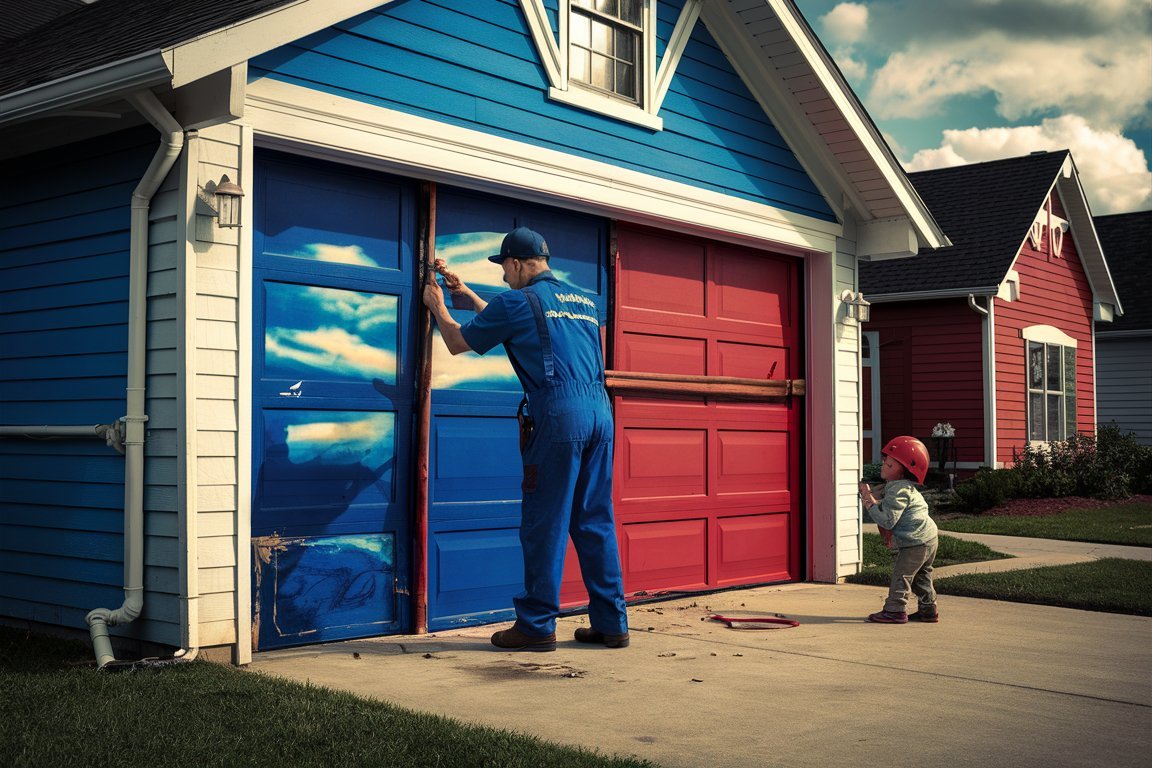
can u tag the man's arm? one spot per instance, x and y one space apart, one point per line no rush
449 328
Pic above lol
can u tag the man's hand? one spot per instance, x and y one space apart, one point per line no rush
452 281
434 298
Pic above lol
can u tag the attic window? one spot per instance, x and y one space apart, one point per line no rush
600 55
605 41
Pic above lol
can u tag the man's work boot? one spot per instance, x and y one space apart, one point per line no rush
515 640
589 635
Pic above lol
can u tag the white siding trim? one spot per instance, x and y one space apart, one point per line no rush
186 376
324 125
243 533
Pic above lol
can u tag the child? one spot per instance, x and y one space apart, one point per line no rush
903 511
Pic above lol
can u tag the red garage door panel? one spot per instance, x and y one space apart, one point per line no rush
707 491
668 555
753 548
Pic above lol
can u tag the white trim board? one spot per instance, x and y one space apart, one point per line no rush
282 114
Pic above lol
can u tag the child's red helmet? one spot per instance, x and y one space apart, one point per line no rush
911 453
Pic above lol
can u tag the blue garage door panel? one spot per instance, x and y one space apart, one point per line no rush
474 561
333 374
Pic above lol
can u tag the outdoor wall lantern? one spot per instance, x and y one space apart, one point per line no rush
228 202
856 306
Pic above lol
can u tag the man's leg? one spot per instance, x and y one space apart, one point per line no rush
593 532
550 474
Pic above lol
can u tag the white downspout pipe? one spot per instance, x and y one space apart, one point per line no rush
171 144
989 345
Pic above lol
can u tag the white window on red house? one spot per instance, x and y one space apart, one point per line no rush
1051 391
605 40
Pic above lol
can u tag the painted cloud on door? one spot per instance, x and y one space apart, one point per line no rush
329 332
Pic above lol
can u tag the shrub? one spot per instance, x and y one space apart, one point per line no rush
1120 453
1108 465
871 473
986 489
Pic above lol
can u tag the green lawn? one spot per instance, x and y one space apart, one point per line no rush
56 710
1129 524
1111 585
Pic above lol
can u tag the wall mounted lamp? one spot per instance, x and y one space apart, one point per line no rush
856 306
228 202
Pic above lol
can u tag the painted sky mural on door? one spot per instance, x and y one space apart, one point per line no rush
317 332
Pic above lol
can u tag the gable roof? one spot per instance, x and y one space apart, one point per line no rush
986 210
98 53
19 16
1127 242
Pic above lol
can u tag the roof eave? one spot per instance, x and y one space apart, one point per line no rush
145 70
943 293
842 95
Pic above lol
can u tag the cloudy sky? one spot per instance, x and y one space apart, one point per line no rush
950 82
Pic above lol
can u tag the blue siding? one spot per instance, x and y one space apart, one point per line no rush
63 355
474 65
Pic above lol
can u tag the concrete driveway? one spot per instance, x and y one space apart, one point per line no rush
993 684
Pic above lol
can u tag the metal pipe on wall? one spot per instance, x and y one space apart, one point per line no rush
171 144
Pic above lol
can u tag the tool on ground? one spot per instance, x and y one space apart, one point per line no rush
756 622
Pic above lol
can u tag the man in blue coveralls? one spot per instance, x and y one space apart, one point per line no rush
552 336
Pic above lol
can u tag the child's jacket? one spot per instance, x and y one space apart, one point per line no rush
904 511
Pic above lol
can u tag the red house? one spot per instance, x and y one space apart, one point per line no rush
994 334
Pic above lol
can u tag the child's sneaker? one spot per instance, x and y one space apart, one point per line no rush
927 614
886 617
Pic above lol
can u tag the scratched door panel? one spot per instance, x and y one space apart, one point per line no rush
333 368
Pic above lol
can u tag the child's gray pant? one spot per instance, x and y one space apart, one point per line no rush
912 573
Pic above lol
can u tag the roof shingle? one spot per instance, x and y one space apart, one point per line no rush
1127 242
113 30
985 209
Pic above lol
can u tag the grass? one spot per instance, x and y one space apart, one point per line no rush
877 569
1110 585
57 710
1129 524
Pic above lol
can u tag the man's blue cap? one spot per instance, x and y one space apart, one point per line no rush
521 243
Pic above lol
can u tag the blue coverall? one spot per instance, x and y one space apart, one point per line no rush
567 488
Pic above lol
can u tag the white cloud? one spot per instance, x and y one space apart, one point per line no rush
366 441
338 254
847 23
1113 170
335 349
450 370
1107 79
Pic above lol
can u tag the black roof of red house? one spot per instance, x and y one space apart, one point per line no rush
985 209
1127 242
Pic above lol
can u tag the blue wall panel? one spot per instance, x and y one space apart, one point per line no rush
475 65
63 342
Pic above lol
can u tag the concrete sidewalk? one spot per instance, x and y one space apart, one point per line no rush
992 684
1032 553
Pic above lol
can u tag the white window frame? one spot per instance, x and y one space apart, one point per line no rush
1048 336
653 83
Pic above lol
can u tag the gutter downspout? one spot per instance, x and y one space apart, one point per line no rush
171 144
989 345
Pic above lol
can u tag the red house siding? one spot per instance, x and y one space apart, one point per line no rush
1054 291
931 371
